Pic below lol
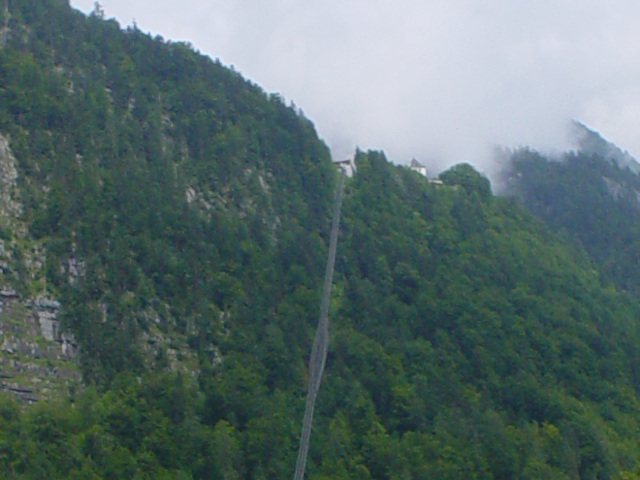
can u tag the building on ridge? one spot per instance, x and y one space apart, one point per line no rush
348 165
418 167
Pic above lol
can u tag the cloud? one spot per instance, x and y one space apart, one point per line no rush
442 81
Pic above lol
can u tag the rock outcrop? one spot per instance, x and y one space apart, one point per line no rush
37 358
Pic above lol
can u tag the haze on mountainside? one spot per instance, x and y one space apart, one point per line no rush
179 216
590 194
440 81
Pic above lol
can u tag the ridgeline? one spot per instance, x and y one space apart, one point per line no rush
178 218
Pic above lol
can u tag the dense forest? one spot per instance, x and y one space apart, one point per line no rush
591 195
184 218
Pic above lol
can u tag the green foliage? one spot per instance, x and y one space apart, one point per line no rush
177 185
185 218
141 428
590 199
465 176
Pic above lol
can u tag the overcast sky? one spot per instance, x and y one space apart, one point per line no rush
438 80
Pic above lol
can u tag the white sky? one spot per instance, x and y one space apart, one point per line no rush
438 80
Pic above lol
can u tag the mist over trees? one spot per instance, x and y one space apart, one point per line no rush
591 199
467 339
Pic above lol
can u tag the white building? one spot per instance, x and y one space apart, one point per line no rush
348 165
418 167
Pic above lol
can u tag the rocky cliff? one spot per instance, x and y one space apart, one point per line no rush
36 357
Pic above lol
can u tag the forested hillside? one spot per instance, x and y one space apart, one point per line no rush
180 217
164 188
592 195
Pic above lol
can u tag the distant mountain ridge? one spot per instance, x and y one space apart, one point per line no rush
175 219
591 193
592 143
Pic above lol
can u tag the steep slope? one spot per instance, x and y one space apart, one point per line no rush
182 219
467 341
592 143
593 195
162 186
474 322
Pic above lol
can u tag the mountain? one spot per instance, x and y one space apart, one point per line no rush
592 143
592 195
172 221
153 182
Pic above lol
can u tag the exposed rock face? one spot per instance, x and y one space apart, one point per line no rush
11 227
9 205
593 143
36 357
